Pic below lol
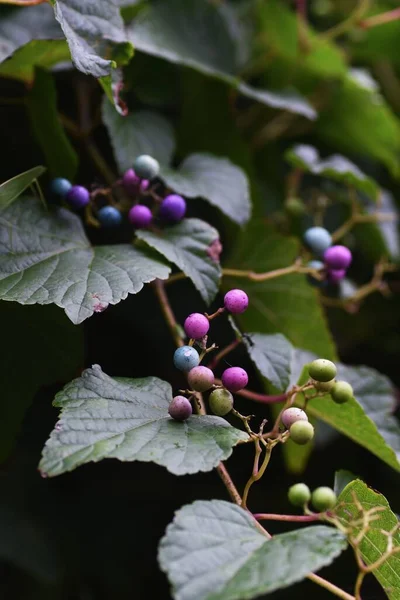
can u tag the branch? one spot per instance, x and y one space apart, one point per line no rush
386 17
290 518
167 311
23 2
352 20
263 398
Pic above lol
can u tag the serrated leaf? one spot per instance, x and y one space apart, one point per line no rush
213 550
46 258
11 189
374 543
36 53
142 132
272 355
336 167
127 419
215 179
291 101
192 245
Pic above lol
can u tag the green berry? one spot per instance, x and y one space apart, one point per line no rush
221 402
299 494
295 207
301 432
322 370
324 386
341 392
323 498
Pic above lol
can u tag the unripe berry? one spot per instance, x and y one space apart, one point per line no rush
341 392
301 432
78 196
337 257
323 498
295 207
180 408
172 208
236 301
146 167
299 494
200 379
196 326
322 370
186 358
291 415
318 240
140 216
109 216
234 379
221 402
318 266
324 386
59 187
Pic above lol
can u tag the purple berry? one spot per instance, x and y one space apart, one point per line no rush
291 415
180 408
78 196
236 301
172 208
335 276
196 326
200 379
234 379
337 258
140 216
144 184
130 181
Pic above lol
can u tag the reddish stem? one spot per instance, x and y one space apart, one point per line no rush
218 357
23 2
302 8
381 19
291 518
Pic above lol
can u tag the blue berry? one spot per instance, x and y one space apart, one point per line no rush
146 167
172 208
109 216
59 187
318 240
186 358
78 196
317 265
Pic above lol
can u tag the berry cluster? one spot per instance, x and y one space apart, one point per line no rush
138 183
336 259
323 498
201 378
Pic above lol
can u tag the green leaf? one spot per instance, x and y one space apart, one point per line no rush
342 478
14 187
61 157
291 101
374 543
193 246
46 258
143 132
272 355
36 53
214 550
128 419
335 167
33 335
215 179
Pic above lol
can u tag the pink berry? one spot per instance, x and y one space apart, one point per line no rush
200 378
337 257
291 415
236 301
140 216
335 276
130 181
234 379
180 408
196 326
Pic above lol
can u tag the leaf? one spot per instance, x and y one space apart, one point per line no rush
193 246
36 53
61 157
335 167
272 355
215 179
45 344
342 478
374 543
143 132
46 258
291 101
10 190
128 419
214 550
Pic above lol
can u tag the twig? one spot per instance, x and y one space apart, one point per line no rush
381 19
23 2
228 483
167 311
290 518
331 587
352 20
263 398
222 353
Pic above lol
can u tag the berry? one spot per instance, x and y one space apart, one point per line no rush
337 257
324 386
186 358
341 392
180 408
291 415
59 187
317 265
301 432
299 494
109 216
172 208
146 167
322 370
318 239
200 379
78 196
234 379
236 301
140 216
144 184
221 402
130 181
323 498
295 207
336 275
196 326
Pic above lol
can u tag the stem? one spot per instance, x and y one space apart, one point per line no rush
99 161
23 2
331 587
167 311
386 17
295 268
290 518
263 398
228 483
222 353
256 476
353 19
